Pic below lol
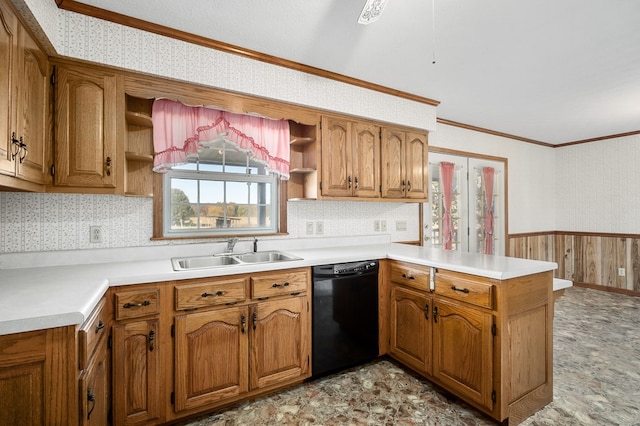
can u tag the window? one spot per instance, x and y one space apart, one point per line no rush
220 191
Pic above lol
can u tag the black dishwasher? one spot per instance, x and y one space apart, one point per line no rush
345 316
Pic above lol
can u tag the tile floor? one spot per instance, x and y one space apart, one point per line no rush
596 381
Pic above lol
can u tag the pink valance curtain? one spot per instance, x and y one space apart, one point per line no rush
180 130
446 176
488 173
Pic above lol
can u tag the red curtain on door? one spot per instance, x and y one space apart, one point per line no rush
180 130
446 177
487 174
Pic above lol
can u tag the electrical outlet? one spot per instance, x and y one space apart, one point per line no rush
309 228
319 227
383 226
376 226
622 272
95 234
401 225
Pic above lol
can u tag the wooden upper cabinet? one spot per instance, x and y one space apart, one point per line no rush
416 165
404 164
8 75
336 157
24 94
87 128
366 160
350 158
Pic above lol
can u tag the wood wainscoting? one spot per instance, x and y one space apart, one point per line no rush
587 259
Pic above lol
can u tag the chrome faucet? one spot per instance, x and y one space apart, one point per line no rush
231 243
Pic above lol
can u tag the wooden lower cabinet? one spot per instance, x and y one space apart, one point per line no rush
211 357
95 390
280 342
463 350
411 329
136 372
186 347
488 341
38 377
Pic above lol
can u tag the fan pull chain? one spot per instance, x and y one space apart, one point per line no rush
433 26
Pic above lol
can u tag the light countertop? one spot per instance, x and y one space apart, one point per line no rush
37 295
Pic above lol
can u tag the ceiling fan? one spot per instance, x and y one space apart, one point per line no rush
371 11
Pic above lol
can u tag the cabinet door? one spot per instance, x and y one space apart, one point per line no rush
95 389
366 160
337 180
136 374
280 345
416 165
463 350
392 154
86 128
411 330
8 76
211 359
32 120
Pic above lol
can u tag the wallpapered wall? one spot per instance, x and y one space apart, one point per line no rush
47 222
597 186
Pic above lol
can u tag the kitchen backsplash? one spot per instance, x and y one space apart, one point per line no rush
32 222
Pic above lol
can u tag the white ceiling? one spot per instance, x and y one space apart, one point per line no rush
554 71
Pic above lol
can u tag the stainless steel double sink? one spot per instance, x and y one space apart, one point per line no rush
230 259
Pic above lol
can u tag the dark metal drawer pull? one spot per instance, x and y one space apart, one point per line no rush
276 285
136 305
461 290
409 277
217 293
426 311
100 326
152 338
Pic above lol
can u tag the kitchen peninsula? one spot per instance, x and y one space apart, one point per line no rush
498 309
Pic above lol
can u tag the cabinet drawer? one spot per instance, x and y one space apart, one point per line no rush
209 293
91 332
137 303
415 276
465 288
279 284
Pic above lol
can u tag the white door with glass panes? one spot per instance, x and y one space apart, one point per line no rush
466 208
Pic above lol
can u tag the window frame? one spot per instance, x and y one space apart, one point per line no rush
160 193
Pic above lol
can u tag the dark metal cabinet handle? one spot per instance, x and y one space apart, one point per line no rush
243 323
356 182
108 163
435 314
276 285
255 320
426 311
100 326
91 397
408 276
152 338
349 180
403 184
217 293
461 290
136 305
409 185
